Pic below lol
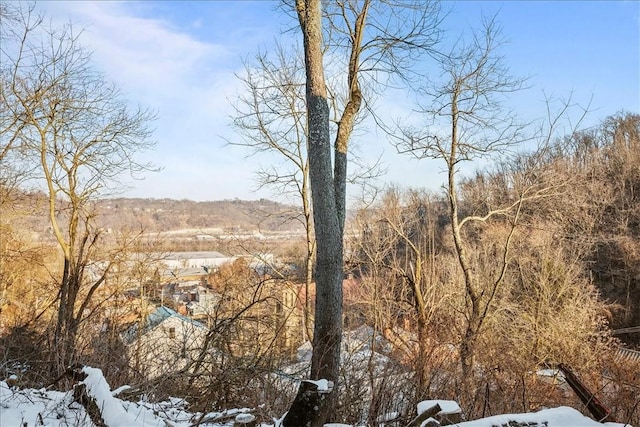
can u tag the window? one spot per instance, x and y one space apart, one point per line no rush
172 332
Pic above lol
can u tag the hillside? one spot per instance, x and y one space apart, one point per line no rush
161 215
24 406
29 211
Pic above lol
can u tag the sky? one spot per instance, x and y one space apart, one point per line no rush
181 58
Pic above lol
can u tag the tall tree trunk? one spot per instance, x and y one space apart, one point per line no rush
311 250
311 408
63 352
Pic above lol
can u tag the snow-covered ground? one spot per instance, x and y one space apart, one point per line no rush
554 417
30 408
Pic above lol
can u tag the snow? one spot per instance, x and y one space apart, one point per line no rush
245 418
554 417
324 386
50 408
387 417
30 407
446 406
112 410
277 422
120 390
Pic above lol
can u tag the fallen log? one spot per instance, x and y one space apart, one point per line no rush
599 412
417 421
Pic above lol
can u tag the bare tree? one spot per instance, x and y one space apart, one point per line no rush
374 48
12 172
310 408
79 136
470 104
270 118
467 120
397 247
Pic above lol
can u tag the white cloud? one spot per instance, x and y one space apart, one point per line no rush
186 80
144 55
179 59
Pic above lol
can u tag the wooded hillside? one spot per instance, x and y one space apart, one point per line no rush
157 215
162 215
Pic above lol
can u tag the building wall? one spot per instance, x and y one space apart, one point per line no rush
166 348
196 262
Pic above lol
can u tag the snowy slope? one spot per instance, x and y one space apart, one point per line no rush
29 407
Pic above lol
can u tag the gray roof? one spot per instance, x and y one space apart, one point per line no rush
161 314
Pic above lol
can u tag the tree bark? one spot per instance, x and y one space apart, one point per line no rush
310 408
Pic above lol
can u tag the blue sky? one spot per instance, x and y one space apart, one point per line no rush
180 59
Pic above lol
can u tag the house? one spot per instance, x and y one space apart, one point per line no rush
262 315
202 301
164 342
211 260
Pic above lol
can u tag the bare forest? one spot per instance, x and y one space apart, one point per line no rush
567 295
473 292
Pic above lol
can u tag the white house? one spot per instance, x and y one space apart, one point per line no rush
211 260
165 342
